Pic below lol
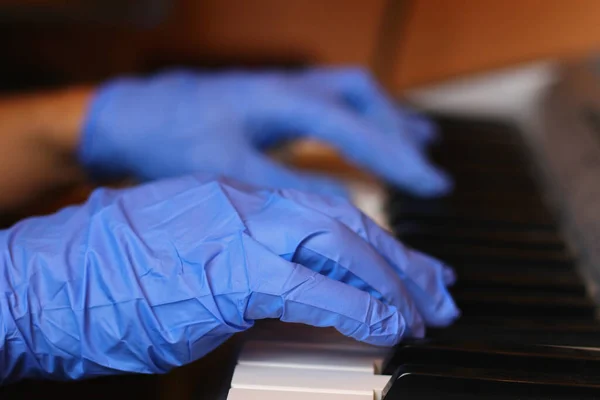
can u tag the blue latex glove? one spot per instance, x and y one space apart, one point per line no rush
152 277
181 122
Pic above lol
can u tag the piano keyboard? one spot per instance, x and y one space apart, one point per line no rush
528 329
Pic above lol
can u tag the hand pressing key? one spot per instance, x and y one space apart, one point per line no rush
149 278
180 122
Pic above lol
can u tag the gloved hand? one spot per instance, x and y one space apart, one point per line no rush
152 277
181 122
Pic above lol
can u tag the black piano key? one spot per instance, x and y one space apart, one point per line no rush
511 305
528 279
547 337
465 167
423 386
480 221
484 198
453 140
522 271
527 198
457 208
483 224
494 131
481 290
532 237
464 137
464 265
517 279
553 331
489 259
425 239
502 142
452 148
508 356
499 260
480 201
534 278
572 380
453 248
478 196
579 325
495 217
445 156
490 184
484 288
499 187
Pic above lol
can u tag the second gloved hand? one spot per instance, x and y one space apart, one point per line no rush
153 277
182 122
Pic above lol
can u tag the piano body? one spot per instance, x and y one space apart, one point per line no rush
522 231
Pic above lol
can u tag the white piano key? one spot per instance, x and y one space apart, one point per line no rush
307 380
315 356
371 199
253 394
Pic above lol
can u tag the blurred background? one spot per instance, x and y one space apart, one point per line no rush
406 44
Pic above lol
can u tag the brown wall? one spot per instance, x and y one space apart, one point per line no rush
331 31
206 33
445 38
406 43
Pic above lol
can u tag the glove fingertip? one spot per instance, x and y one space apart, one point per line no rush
446 319
426 129
429 183
441 182
448 275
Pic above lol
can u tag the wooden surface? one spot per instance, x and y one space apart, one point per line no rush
406 43
207 33
329 32
442 39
